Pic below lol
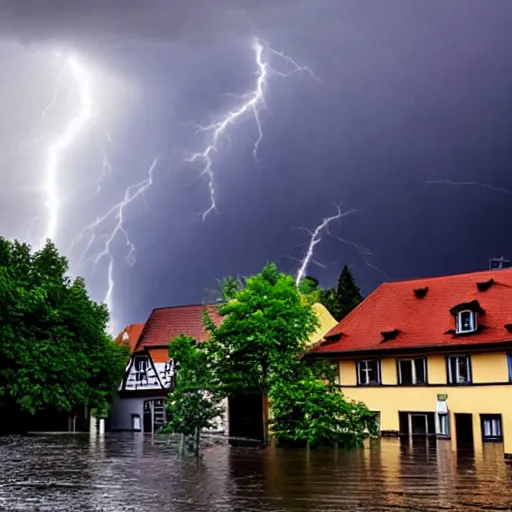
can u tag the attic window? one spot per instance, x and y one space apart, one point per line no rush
465 322
389 335
334 337
485 285
421 292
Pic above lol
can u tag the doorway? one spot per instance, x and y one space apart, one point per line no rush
419 424
464 430
246 418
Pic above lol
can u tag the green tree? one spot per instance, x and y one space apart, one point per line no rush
193 402
340 301
310 287
309 409
55 353
265 327
260 343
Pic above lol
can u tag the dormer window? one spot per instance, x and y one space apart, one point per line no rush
465 322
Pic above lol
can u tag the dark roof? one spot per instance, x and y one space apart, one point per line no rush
425 322
164 324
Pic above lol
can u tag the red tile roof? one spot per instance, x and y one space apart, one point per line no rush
130 335
424 322
164 324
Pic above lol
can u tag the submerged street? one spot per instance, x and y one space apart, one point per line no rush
133 472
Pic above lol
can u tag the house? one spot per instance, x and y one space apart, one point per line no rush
140 404
432 356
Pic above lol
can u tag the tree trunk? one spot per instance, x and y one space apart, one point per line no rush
197 441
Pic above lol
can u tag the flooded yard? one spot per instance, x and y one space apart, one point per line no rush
132 472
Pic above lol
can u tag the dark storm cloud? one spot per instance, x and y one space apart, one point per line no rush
413 91
103 21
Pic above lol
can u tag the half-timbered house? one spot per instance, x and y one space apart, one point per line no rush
140 404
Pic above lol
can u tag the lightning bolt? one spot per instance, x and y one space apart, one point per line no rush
117 213
469 183
254 102
82 78
315 239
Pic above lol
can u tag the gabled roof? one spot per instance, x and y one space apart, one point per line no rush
417 312
164 324
130 336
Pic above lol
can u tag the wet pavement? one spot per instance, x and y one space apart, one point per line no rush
132 472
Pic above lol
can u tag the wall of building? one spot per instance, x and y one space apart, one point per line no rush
325 323
159 355
122 410
493 398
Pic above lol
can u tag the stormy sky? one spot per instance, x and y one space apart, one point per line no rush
411 92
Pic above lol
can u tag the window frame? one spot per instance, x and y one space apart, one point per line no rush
139 374
491 417
412 360
452 382
458 322
440 432
358 372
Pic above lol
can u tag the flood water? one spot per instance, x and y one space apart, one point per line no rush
132 472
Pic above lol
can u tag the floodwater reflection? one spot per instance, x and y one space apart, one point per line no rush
133 472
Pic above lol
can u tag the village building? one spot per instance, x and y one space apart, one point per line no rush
140 404
433 357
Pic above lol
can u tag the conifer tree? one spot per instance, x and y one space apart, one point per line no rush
340 301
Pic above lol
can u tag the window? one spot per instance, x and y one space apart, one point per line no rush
509 362
465 321
491 427
459 369
443 425
412 372
141 366
368 372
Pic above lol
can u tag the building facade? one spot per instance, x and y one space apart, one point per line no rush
433 357
140 405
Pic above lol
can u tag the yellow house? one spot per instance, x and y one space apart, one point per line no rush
326 322
432 357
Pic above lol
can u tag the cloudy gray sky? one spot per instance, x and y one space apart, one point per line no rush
410 92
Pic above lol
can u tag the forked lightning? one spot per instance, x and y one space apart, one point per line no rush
253 104
315 239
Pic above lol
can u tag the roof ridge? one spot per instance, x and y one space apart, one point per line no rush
446 276
183 306
429 321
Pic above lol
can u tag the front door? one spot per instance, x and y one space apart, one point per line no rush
464 430
148 416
